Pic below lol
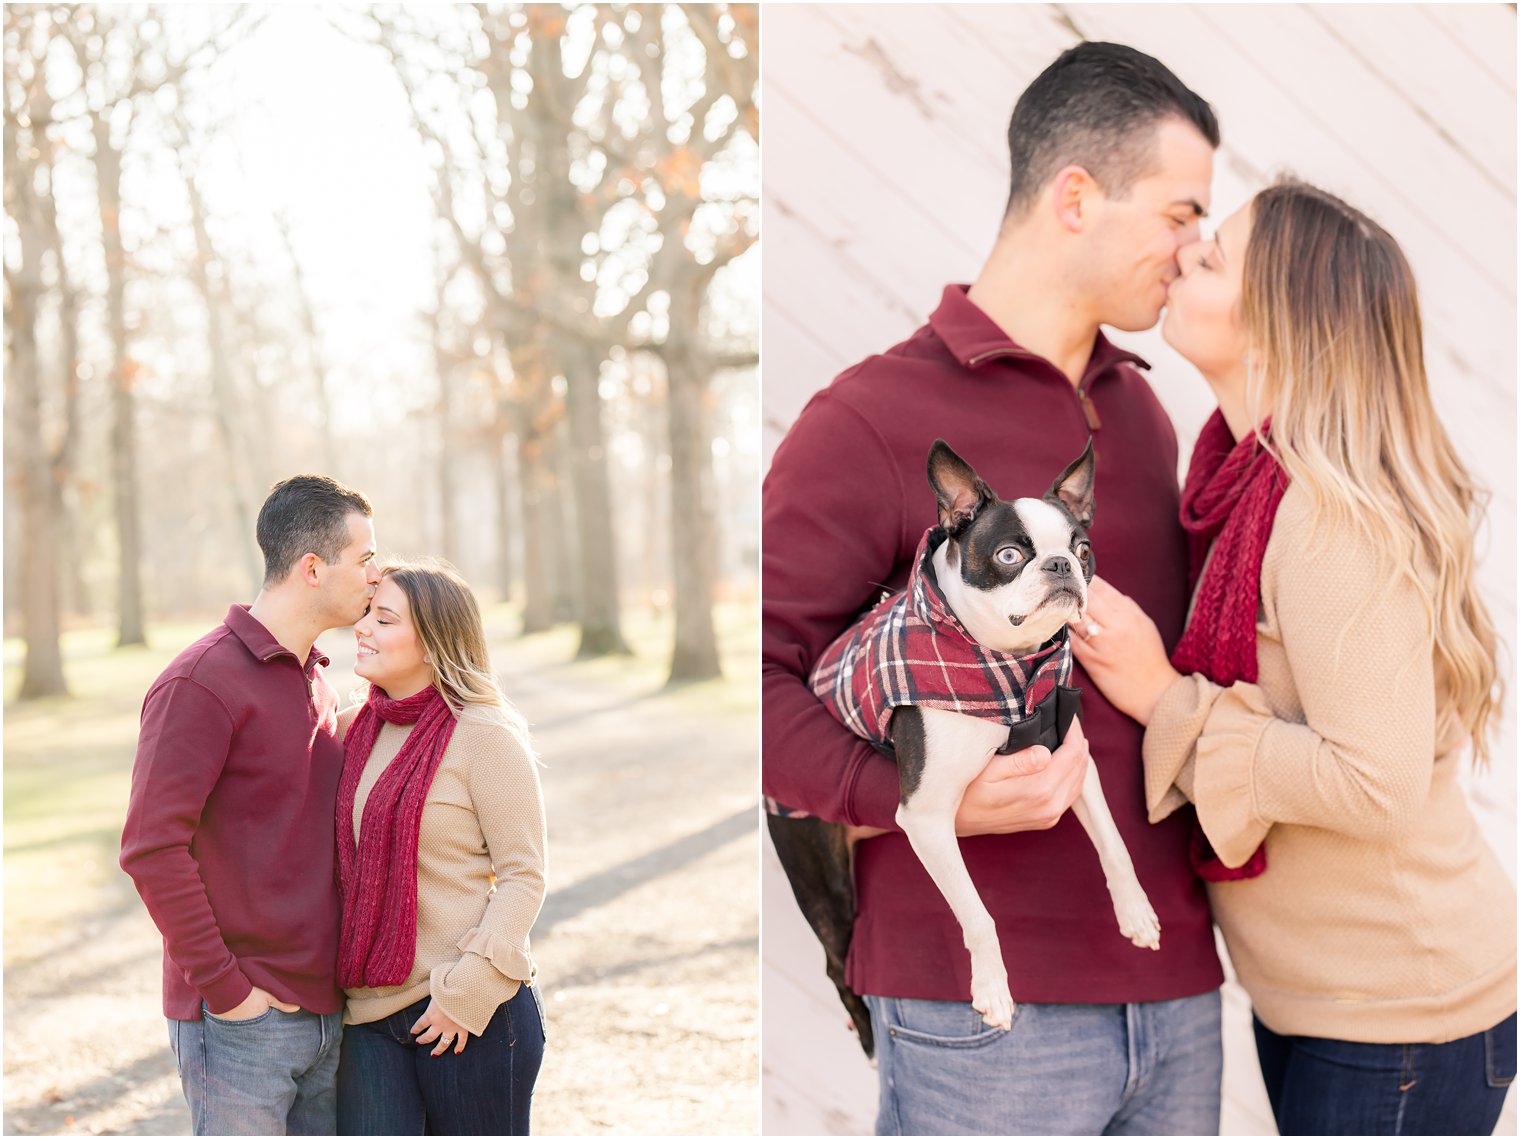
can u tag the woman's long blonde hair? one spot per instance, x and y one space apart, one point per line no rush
447 620
1333 322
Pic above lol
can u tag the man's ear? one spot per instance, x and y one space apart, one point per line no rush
306 569
1074 486
1072 193
960 492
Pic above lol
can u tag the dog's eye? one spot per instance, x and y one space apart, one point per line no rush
1084 551
1010 555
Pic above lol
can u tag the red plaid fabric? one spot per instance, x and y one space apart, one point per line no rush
911 649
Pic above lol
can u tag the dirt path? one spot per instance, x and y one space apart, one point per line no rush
647 942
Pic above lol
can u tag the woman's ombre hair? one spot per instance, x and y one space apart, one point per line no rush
447 619
1337 361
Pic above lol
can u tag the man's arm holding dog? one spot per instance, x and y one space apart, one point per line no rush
825 550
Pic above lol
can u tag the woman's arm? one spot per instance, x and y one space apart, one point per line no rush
1357 646
494 959
1357 642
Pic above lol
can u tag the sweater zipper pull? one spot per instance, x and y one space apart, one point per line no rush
1091 412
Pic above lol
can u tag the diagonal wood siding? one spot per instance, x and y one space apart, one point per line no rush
884 173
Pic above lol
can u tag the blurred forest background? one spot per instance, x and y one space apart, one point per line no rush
494 265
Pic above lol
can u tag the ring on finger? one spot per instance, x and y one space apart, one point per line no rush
1091 630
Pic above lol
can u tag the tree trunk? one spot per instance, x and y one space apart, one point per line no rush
557 502
448 456
657 584
222 399
42 671
522 406
130 630
74 595
537 551
74 554
32 471
601 632
503 487
692 494
314 352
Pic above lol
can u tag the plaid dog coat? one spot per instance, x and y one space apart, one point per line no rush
911 649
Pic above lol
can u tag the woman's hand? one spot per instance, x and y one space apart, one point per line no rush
1121 649
441 1028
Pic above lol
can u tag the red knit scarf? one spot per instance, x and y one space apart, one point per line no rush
1228 503
377 876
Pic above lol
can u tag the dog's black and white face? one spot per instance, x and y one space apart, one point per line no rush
1013 571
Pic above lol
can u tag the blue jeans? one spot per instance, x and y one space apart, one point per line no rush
271 1075
1149 1068
1339 1087
388 1084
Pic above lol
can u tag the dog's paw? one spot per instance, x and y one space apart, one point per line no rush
1138 922
995 1003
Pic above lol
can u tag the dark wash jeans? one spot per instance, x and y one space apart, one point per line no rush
1339 1087
390 1085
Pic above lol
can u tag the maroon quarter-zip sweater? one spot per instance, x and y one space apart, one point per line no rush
845 503
229 833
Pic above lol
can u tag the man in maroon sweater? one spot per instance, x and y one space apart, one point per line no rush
1111 163
229 831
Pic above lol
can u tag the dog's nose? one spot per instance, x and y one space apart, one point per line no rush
1058 564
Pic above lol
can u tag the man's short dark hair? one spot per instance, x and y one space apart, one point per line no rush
1097 107
307 514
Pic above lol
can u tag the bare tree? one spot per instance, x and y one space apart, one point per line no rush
583 209
202 266
37 465
315 352
122 60
686 135
534 281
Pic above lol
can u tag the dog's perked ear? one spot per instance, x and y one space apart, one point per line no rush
1074 486
960 492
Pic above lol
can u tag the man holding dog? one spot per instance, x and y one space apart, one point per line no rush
229 831
1111 165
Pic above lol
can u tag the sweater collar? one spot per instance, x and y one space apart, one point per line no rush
260 641
974 339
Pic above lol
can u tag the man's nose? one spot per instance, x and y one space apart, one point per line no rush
372 575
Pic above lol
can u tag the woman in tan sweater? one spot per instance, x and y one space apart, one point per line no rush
1337 664
441 856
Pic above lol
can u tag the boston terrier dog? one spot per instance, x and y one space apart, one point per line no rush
972 658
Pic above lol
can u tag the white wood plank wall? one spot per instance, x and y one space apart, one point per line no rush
884 173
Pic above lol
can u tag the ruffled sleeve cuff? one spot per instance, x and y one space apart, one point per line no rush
1171 739
1224 790
485 977
507 957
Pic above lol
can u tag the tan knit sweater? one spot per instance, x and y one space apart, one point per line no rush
1382 917
483 820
